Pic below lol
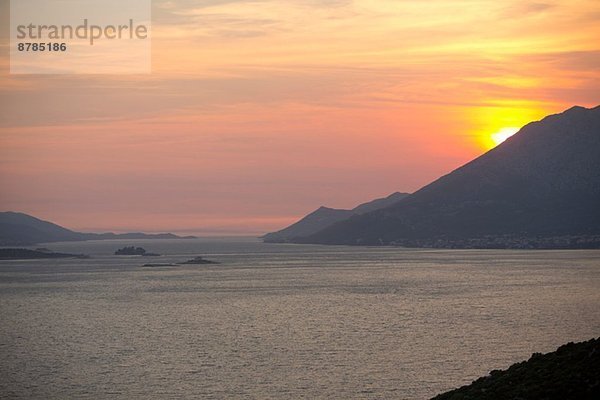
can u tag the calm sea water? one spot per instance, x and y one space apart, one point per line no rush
283 321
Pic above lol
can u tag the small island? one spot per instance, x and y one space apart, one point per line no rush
28 254
151 265
199 260
134 251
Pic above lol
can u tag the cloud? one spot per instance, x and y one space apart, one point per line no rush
574 61
527 8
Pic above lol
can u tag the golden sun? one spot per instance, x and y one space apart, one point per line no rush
503 134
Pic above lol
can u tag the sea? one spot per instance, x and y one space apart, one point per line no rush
283 321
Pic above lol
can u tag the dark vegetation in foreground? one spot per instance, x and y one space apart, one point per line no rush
571 372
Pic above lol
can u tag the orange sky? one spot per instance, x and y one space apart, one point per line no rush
258 112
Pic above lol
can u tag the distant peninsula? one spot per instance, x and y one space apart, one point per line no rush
18 229
27 254
570 373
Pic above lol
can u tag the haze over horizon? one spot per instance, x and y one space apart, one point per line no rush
258 112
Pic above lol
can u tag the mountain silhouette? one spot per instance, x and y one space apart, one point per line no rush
543 182
22 229
324 217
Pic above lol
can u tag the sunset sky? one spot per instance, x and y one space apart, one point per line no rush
258 112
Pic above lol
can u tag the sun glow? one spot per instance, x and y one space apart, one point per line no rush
503 134
496 122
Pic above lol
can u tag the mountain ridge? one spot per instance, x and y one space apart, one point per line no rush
542 182
20 229
326 216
